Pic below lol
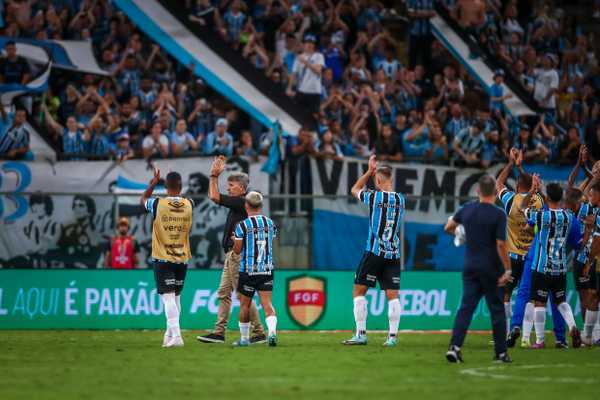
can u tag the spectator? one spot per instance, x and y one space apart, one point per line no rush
122 150
456 123
14 68
438 150
156 144
234 22
388 147
569 149
96 137
123 250
420 38
246 146
497 93
546 85
71 135
327 148
493 149
220 142
181 140
306 77
531 148
14 142
416 140
201 119
550 139
468 145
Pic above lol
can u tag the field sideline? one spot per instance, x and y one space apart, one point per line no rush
308 365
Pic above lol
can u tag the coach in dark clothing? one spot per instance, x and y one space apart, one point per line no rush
237 186
486 270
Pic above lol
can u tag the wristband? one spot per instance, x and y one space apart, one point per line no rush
214 176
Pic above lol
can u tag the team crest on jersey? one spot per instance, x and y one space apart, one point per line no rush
306 299
176 206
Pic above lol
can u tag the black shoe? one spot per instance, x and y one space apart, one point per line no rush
503 358
211 338
561 345
513 336
575 338
454 355
258 339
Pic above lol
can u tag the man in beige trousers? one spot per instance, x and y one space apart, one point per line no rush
237 185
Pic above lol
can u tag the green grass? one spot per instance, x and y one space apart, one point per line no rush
132 365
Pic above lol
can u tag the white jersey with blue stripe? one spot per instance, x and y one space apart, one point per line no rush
257 233
386 210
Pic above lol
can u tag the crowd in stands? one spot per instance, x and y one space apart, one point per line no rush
338 59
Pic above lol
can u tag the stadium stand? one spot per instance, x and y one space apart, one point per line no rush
377 78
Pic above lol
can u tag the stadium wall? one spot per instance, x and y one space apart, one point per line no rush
315 300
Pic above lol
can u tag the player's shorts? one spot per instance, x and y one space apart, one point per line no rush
543 285
584 282
249 284
517 263
169 276
374 269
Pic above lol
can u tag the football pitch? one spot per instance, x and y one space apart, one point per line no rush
310 365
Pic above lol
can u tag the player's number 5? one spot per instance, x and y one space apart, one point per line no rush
389 230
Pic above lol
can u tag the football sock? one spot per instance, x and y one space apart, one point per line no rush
245 330
172 314
540 324
591 317
178 301
360 315
567 314
596 331
508 314
168 331
528 321
272 324
394 311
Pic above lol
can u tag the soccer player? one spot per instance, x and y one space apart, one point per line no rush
486 270
170 248
381 260
555 228
520 234
253 240
589 274
586 283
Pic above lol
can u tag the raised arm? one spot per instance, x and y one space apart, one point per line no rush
216 169
362 181
501 181
148 192
575 172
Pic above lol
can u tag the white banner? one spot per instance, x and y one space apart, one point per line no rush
73 229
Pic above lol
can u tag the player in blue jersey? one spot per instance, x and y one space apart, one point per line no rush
590 278
381 260
582 283
253 240
549 263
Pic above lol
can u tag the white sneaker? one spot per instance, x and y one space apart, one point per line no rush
166 339
175 341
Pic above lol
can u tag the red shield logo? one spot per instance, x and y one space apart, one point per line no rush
306 299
